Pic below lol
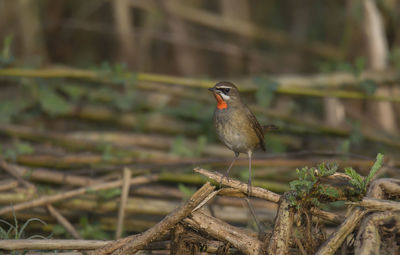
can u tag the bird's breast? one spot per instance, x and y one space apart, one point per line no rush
234 130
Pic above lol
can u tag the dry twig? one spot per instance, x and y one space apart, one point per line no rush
63 221
65 195
279 242
160 228
124 198
239 238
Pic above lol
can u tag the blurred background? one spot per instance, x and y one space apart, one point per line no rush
90 87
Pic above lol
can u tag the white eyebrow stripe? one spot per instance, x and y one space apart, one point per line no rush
223 87
225 97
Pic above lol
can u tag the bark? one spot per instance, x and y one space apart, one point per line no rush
279 242
378 53
239 238
370 240
336 239
160 228
33 39
187 59
125 31
124 198
237 10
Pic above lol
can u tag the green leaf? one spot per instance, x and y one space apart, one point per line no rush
5 56
344 67
344 147
315 201
109 193
59 230
395 58
359 66
187 191
369 87
21 231
275 144
51 102
23 148
326 170
328 191
91 231
75 92
107 153
179 147
124 101
11 108
266 90
200 145
356 179
377 165
6 52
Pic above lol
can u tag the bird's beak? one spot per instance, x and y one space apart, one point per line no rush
211 89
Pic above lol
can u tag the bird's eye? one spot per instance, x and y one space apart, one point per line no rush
226 90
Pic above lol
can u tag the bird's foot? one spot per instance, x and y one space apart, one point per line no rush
224 176
249 189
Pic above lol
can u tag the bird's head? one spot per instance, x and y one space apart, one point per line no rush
225 92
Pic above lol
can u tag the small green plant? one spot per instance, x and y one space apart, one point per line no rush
307 190
52 102
361 183
266 90
10 231
17 148
186 191
92 231
181 148
6 57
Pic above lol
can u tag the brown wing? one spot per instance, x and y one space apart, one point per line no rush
256 127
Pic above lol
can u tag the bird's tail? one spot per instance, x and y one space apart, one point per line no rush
268 128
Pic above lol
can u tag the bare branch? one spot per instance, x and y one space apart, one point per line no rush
65 195
239 238
162 227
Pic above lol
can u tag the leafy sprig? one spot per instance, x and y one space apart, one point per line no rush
307 189
361 183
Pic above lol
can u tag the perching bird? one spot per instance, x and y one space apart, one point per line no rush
236 125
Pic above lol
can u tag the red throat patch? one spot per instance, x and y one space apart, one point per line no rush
221 103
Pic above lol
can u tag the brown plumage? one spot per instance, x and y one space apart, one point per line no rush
236 125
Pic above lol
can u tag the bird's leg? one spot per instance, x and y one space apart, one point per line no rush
229 168
249 181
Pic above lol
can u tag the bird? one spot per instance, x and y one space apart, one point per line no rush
236 126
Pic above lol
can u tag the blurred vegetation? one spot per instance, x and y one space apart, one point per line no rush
89 87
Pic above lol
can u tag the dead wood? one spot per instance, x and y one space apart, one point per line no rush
279 242
377 189
210 246
58 253
185 241
63 221
336 239
69 194
124 198
379 204
328 216
262 193
50 176
83 160
381 188
239 238
370 239
12 171
8 184
227 210
256 191
44 244
160 228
